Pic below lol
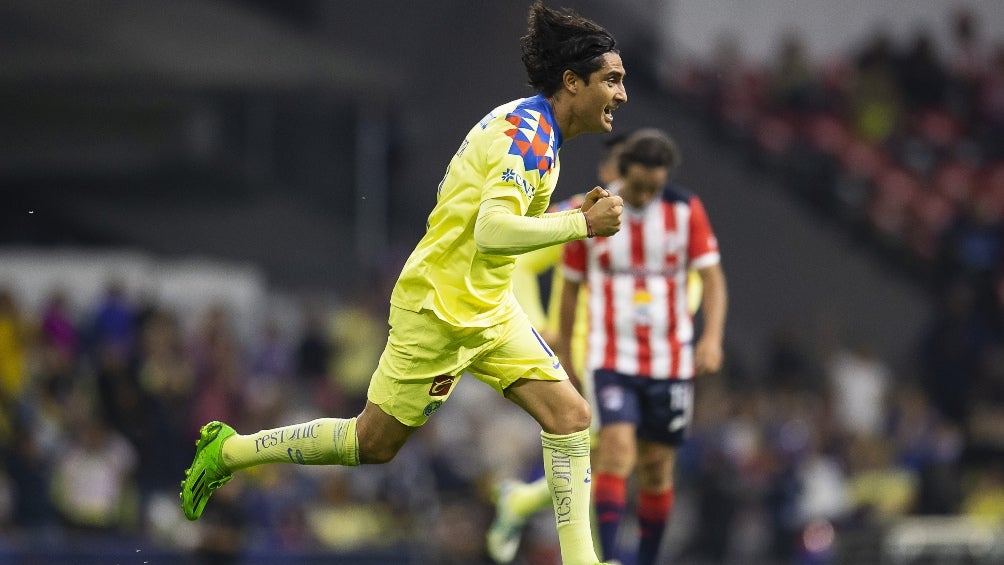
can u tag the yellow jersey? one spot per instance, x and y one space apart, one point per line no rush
508 160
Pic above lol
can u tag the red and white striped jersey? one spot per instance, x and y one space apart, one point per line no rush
638 318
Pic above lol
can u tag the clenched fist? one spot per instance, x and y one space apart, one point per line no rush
603 210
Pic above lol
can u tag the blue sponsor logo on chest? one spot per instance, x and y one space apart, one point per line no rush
511 176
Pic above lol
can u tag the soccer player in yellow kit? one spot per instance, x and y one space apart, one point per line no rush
453 309
516 501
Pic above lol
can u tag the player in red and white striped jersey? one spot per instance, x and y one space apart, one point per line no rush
641 350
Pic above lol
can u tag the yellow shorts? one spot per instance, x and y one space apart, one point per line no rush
425 358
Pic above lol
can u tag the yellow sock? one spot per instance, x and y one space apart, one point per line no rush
527 499
325 441
566 467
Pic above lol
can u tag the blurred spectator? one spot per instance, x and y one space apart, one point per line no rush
923 79
859 382
928 446
114 318
92 481
793 81
122 404
58 329
991 106
966 64
337 518
974 245
824 490
6 500
457 533
795 430
876 101
28 469
156 398
357 334
313 354
879 491
13 334
219 370
986 414
985 495
223 531
949 353
273 502
791 365
271 355
57 373
733 89
710 462
163 370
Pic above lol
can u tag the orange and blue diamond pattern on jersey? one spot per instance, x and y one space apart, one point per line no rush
532 139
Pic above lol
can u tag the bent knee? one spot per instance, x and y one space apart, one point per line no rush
377 454
581 416
573 417
376 449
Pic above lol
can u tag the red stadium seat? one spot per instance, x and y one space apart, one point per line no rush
938 128
894 192
955 180
862 159
930 215
828 134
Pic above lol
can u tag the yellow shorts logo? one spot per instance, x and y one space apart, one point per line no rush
431 408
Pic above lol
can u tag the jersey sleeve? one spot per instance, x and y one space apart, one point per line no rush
520 154
505 176
500 230
703 247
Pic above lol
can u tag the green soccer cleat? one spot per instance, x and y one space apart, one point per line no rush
207 472
507 529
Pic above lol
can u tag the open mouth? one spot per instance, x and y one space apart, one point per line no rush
608 113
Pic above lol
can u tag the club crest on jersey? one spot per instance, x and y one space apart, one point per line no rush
515 178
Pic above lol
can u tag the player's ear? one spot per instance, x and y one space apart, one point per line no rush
570 81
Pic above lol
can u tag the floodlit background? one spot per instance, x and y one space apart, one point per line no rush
205 204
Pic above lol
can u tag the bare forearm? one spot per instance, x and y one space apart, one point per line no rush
715 302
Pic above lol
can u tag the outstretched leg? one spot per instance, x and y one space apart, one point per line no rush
372 437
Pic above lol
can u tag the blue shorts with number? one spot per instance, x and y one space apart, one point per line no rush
661 410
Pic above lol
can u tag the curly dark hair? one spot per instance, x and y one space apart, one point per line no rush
649 147
560 40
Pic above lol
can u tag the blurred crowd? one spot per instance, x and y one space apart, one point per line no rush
901 145
813 460
101 403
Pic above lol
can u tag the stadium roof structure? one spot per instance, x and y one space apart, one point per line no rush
181 43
